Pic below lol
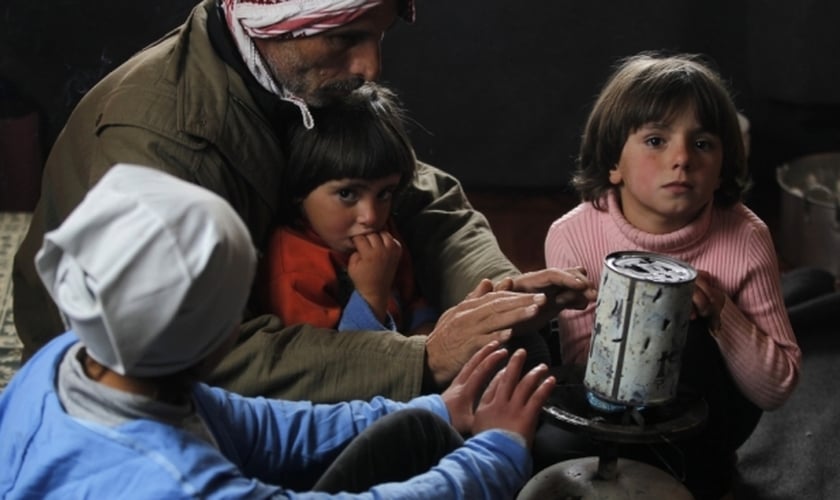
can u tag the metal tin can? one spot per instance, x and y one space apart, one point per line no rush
641 321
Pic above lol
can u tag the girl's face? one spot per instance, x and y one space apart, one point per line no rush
667 173
340 209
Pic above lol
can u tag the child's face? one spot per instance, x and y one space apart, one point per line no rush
340 209
667 173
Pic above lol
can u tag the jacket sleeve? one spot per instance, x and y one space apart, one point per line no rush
276 440
270 438
357 315
321 365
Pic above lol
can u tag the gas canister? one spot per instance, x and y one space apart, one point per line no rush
641 321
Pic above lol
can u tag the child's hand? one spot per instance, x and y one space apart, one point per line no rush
372 268
708 299
510 402
460 396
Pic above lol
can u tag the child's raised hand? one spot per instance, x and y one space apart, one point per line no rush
372 268
512 403
467 385
509 402
708 299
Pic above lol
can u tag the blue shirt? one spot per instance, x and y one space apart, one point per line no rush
263 443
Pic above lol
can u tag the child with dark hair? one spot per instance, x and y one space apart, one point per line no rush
152 274
662 168
338 261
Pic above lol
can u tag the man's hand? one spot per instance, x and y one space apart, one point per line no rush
564 288
372 268
482 317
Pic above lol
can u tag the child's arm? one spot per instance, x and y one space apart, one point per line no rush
751 326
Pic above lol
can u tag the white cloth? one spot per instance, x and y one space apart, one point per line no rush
249 19
150 271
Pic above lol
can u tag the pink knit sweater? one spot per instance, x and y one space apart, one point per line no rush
735 246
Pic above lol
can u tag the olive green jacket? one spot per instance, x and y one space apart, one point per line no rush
178 107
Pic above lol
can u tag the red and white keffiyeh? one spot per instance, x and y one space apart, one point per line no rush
249 19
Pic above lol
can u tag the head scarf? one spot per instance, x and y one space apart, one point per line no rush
151 272
249 19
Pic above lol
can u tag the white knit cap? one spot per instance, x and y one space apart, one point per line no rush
150 271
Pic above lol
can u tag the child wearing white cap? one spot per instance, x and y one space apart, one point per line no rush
151 274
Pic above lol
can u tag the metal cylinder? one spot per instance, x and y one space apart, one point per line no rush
641 321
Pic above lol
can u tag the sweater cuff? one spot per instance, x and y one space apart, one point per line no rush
357 315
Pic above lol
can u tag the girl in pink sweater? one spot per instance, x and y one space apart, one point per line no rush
662 168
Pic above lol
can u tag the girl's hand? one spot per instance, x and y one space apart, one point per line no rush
708 299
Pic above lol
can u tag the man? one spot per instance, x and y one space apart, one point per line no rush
205 104
132 269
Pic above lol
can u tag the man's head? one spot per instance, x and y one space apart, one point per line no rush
150 271
342 176
313 52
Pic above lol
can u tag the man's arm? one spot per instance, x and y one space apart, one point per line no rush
304 362
452 245
322 365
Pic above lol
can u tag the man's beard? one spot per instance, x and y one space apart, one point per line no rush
331 93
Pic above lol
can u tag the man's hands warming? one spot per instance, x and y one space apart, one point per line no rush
498 311
564 289
482 317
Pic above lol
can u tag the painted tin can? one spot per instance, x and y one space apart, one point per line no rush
641 321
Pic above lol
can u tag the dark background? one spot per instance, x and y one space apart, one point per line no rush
504 87
499 90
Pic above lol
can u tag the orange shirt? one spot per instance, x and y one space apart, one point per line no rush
299 281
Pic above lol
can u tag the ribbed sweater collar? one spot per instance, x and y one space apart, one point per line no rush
673 242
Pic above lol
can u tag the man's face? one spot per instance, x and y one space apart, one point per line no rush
326 67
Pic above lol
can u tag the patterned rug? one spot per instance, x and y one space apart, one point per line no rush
13 225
